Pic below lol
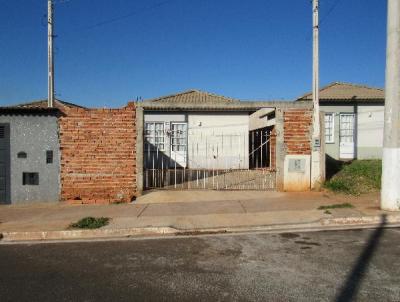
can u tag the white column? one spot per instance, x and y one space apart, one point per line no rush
390 194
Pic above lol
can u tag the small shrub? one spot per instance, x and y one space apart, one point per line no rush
91 223
337 206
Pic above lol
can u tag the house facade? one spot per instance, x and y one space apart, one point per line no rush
199 140
353 117
29 153
196 129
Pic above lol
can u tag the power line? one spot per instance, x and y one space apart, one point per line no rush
116 19
331 9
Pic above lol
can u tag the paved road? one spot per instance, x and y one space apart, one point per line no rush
321 266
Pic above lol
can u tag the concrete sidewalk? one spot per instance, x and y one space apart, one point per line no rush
187 212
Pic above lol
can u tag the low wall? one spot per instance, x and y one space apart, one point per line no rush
297 131
98 155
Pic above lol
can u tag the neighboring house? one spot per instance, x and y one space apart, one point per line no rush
354 117
30 152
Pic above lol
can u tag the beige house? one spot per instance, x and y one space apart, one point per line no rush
354 116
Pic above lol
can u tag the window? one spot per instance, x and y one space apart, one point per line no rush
30 178
154 136
22 154
49 156
2 131
178 137
329 127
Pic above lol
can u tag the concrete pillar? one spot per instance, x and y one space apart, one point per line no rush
316 176
280 149
390 194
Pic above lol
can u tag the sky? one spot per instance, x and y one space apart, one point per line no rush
109 52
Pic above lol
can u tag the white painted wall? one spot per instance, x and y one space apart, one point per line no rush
370 121
297 175
218 140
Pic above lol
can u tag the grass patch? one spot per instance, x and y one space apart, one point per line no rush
90 223
328 212
336 206
358 177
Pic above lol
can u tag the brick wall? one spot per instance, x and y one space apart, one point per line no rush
98 157
297 131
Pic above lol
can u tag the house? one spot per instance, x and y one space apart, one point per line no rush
196 139
30 152
354 117
196 129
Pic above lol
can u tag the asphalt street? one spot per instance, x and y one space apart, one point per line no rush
357 265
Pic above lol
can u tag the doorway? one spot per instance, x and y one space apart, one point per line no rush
346 135
179 144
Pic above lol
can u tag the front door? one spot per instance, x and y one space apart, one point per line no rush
4 162
179 145
346 136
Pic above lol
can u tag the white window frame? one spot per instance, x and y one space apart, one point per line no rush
151 138
180 143
332 136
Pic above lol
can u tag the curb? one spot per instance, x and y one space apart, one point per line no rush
324 224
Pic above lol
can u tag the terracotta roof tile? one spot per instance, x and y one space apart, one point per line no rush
339 91
193 97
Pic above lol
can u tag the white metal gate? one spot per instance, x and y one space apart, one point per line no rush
187 179
219 161
346 136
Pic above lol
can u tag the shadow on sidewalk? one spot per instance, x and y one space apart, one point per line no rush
353 281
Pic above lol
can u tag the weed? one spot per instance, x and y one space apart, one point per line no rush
360 176
336 206
328 212
90 223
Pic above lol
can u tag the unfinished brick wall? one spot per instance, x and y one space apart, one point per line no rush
297 131
98 155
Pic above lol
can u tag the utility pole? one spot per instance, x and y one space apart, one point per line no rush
50 60
316 177
390 194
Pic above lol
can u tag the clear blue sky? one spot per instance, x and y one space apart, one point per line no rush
111 51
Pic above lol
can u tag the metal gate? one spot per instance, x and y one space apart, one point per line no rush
199 160
4 162
195 179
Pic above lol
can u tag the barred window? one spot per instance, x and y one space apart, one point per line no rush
329 127
154 136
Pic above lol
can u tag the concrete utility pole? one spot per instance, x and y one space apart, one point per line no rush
50 23
390 194
316 177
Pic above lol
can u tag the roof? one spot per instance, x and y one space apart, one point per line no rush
37 107
43 104
339 91
193 97
196 100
